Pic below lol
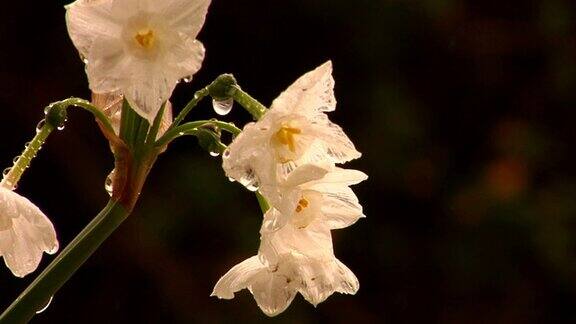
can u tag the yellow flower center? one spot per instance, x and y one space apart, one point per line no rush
286 136
302 204
145 38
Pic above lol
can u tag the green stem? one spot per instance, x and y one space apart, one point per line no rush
199 95
191 127
253 106
65 264
11 179
85 104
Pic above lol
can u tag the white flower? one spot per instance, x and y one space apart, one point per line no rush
294 131
275 287
25 232
138 47
291 259
311 192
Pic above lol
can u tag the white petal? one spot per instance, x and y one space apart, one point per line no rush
238 278
341 208
322 279
30 233
271 289
186 15
310 94
306 173
332 141
313 241
343 176
109 67
187 55
273 292
88 20
147 96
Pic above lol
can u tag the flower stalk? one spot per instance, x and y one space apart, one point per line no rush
65 264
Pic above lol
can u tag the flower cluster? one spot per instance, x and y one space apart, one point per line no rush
290 157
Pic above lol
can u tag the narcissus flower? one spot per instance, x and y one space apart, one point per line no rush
274 287
25 232
297 257
294 131
140 48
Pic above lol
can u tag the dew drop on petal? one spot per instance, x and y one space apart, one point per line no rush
226 153
187 79
222 107
45 306
250 181
40 125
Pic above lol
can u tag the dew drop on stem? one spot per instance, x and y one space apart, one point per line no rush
222 107
45 306
40 125
109 183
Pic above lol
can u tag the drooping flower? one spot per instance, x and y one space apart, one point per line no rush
25 232
294 131
275 287
140 48
291 259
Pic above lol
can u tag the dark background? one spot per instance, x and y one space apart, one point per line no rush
464 111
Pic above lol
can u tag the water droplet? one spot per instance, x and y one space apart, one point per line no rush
26 145
61 127
231 179
109 183
222 107
181 133
250 181
226 153
40 125
187 79
47 109
253 186
16 159
6 171
46 306
214 153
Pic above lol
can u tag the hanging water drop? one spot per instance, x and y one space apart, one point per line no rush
109 183
187 79
46 306
16 159
40 125
214 153
6 171
222 107
26 145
